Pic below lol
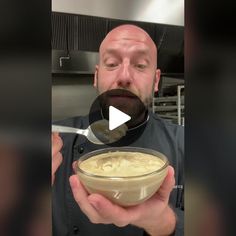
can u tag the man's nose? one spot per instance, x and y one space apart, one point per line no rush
124 78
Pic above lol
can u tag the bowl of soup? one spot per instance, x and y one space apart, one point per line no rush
125 175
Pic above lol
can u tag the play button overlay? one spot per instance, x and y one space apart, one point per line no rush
117 118
120 117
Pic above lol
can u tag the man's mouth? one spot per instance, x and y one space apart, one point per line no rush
119 93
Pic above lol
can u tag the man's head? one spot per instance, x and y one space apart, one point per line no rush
127 63
128 60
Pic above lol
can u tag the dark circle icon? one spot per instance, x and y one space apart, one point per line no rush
118 117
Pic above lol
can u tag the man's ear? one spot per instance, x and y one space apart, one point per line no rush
157 79
95 79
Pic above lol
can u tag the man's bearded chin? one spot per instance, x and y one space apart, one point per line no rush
124 101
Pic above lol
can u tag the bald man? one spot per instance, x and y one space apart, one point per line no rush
127 60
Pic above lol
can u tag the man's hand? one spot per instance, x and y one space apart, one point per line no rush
154 215
56 155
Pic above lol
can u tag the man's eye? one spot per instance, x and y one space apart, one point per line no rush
141 66
111 65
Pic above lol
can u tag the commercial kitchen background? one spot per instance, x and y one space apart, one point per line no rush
78 28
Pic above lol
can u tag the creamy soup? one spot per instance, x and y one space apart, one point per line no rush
121 164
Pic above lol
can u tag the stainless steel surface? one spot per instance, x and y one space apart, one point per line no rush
156 11
171 107
167 99
86 132
74 62
61 59
179 103
72 96
167 108
97 129
65 129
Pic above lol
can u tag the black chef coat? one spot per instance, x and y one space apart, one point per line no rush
159 134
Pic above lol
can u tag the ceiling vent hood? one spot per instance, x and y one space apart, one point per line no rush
78 28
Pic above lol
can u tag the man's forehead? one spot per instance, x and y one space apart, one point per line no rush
127 34
140 49
124 37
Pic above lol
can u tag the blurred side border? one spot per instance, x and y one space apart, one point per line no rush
25 117
210 55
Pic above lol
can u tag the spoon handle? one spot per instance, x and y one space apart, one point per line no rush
65 129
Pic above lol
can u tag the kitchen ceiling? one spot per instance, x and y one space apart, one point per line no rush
155 11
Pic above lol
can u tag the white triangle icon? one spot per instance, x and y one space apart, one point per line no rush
116 118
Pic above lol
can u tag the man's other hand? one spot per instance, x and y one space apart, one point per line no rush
154 215
56 155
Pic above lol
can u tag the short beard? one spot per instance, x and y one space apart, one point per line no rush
135 108
124 101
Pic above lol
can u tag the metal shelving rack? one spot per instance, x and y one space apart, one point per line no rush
170 107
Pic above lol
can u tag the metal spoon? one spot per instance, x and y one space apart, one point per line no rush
97 133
